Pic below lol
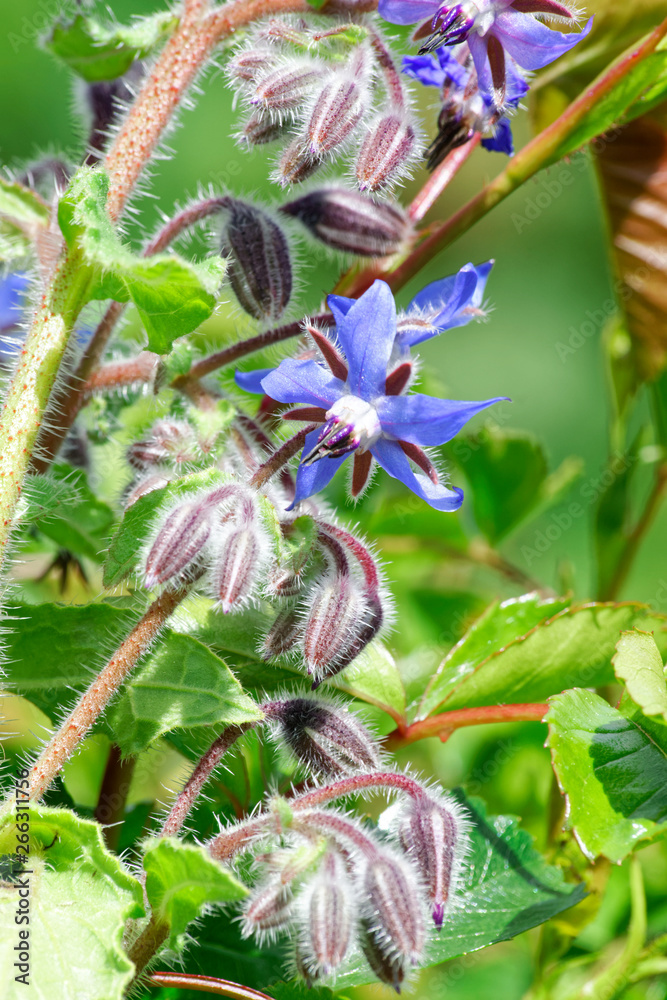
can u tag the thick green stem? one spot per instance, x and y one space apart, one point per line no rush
32 384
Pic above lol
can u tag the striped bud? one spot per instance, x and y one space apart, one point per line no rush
261 129
386 150
259 269
336 113
345 220
247 67
180 540
328 740
337 613
297 163
435 835
391 894
169 441
269 909
144 486
283 635
387 965
237 567
287 86
328 915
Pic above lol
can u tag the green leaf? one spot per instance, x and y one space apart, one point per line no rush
137 523
43 496
614 516
82 527
509 476
299 991
80 899
500 625
66 643
374 678
181 880
98 53
181 685
507 888
612 766
172 296
22 205
639 664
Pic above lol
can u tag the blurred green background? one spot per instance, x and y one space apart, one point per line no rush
552 277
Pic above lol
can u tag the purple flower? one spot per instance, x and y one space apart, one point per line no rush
494 29
12 295
359 413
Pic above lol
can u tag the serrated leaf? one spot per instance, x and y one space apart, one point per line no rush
638 664
613 768
137 522
80 899
507 888
22 205
181 685
96 52
500 625
172 296
181 880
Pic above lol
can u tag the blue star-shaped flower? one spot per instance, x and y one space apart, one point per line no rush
362 409
492 29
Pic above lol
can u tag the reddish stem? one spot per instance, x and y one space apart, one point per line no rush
443 725
281 457
441 178
205 984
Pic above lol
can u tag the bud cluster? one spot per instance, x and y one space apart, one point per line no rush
317 89
339 889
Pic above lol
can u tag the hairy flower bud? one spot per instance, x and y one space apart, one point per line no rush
337 614
435 835
348 221
169 441
329 740
145 485
297 163
260 268
261 128
336 113
180 540
386 964
386 150
237 567
283 634
269 908
391 894
328 913
287 86
248 66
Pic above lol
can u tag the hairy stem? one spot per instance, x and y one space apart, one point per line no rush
281 457
441 178
443 725
206 984
201 774
93 702
116 782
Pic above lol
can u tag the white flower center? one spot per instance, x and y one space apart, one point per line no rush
361 417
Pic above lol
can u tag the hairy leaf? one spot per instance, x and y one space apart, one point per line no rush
43 496
80 899
172 295
612 765
181 880
96 52
22 205
81 527
638 664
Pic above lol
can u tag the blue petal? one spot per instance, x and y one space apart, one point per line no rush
426 420
502 141
340 306
423 69
530 42
252 381
448 303
517 85
310 479
391 457
407 11
455 71
367 337
303 382
12 291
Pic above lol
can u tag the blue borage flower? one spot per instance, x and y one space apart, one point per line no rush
465 109
358 396
14 288
493 29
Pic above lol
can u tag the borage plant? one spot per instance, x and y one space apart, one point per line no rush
225 623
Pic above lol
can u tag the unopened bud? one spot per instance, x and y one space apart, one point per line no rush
386 151
260 269
283 635
336 113
391 893
348 221
328 914
179 541
328 740
287 86
284 582
144 486
237 569
169 441
269 909
261 129
386 964
297 163
248 66
435 835
337 613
